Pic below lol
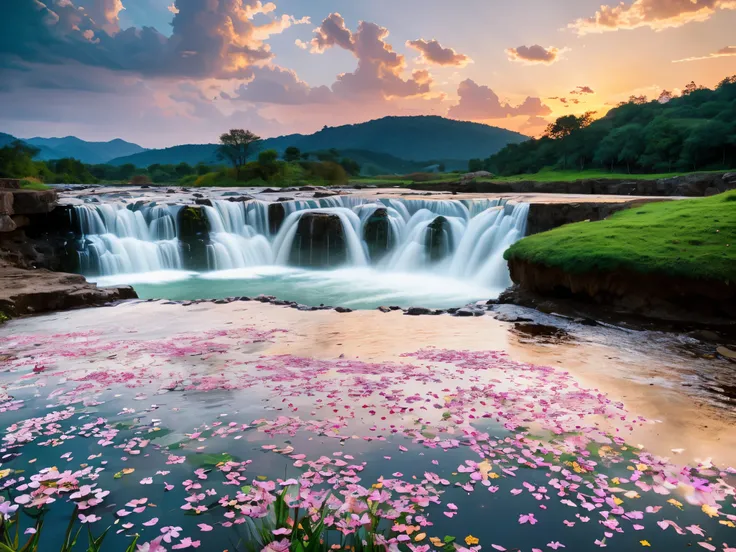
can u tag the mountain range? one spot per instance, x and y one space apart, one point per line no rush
406 141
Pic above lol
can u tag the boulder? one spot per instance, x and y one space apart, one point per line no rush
377 234
6 223
276 216
319 241
438 239
194 237
6 203
320 195
417 311
31 202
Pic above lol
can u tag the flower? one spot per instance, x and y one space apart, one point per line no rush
7 509
470 540
89 519
153 546
277 546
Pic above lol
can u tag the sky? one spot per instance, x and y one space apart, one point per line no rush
167 72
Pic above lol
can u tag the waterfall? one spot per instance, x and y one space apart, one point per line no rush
119 239
464 239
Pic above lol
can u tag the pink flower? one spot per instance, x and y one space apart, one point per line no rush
528 518
153 546
89 519
186 543
555 545
204 527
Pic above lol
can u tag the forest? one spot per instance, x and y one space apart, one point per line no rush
695 131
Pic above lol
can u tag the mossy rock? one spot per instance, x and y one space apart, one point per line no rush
319 242
377 234
194 236
438 239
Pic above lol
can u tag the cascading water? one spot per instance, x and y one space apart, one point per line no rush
464 240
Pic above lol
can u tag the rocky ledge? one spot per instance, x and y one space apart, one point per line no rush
678 301
33 291
689 185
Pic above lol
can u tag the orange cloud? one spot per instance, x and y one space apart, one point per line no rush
432 52
480 103
655 14
728 51
536 54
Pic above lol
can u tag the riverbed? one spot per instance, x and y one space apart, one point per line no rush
455 429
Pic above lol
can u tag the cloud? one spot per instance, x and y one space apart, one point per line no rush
210 38
536 54
655 14
380 70
276 85
480 103
581 90
728 51
432 52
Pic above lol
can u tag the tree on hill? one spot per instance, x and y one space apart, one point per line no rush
695 131
292 154
235 147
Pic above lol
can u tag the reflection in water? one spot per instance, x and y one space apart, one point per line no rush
227 397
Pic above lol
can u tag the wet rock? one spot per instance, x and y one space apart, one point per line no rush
244 298
395 308
193 236
506 317
197 194
319 241
343 310
438 239
282 199
272 191
377 234
384 309
437 312
276 216
206 201
32 202
418 311
586 321
265 298
320 195
467 311
240 199
541 332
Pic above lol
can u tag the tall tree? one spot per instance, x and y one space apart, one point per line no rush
235 147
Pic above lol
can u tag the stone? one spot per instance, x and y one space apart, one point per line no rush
33 202
6 223
711 191
467 311
343 310
384 309
377 234
6 203
206 201
730 354
586 321
240 199
418 311
194 237
320 195
276 216
438 239
319 241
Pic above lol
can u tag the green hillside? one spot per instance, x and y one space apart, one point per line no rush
418 139
692 132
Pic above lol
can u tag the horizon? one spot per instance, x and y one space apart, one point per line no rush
163 72
262 137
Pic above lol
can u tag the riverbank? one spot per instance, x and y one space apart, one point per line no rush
665 260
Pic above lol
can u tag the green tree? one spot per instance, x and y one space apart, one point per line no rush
351 166
663 144
235 147
633 144
292 154
183 169
16 160
475 165
705 139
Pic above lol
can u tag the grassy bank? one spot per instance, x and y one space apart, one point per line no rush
572 176
693 238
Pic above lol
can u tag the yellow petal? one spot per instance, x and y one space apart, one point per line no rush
420 537
645 543
710 510
470 540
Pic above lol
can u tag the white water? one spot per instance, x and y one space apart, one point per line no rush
122 241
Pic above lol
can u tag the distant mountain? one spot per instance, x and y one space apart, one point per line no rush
6 139
87 152
405 138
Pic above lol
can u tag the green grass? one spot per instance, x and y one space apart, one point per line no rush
550 175
33 184
691 238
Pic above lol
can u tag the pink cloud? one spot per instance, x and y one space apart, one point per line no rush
480 103
535 54
432 52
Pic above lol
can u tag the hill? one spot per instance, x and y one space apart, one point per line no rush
87 152
416 139
693 132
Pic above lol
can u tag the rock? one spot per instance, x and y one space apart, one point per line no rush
438 239
343 309
505 317
467 311
586 321
437 312
395 308
384 309
418 311
6 203
319 241
730 354
711 191
320 195
32 202
197 194
272 191
377 234
473 175
265 298
34 291
240 199
207 202
194 237
6 223
705 335
21 221
282 199
309 188
276 216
